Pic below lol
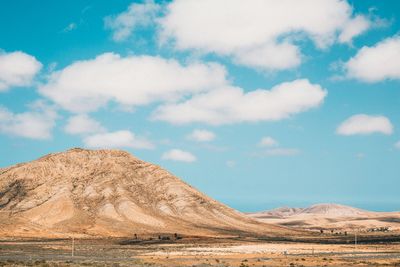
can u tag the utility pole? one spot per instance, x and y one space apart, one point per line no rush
355 240
73 247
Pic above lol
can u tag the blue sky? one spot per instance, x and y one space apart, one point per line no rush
258 104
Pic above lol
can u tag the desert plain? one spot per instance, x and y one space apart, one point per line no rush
195 252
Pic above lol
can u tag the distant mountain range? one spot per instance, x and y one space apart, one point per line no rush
329 216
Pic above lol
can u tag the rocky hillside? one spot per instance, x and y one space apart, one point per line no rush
108 193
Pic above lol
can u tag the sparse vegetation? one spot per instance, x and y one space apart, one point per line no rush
191 254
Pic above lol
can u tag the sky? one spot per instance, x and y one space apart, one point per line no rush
258 104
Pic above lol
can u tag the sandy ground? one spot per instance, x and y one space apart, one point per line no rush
279 254
202 253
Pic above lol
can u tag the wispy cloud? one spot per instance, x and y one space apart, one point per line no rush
360 155
397 145
179 155
137 15
271 147
70 27
201 135
230 163
268 141
37 123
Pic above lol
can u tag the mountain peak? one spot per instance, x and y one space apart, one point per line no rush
78 156
324 209
93 152
107 193
333 209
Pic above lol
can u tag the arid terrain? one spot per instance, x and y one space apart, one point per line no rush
331 217
201 253
109 208
109 193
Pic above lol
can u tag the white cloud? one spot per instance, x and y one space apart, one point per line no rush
98 137
231 105
34 124
17 69
179 155
268 141
271 148
259 33
117 139
376 63
365 124
130 81
353 28
83 124
201 135
272 56
137 15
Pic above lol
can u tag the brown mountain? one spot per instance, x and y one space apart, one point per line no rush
105 193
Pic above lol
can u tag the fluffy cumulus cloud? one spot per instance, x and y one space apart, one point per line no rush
268 141
376 63
17 69
201 135
117 139
179 155
36 123
365 124
82 124
129 81
232 105
259 33
137 15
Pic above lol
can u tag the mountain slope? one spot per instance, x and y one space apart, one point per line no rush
336 210
276 213
329 216
108 193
